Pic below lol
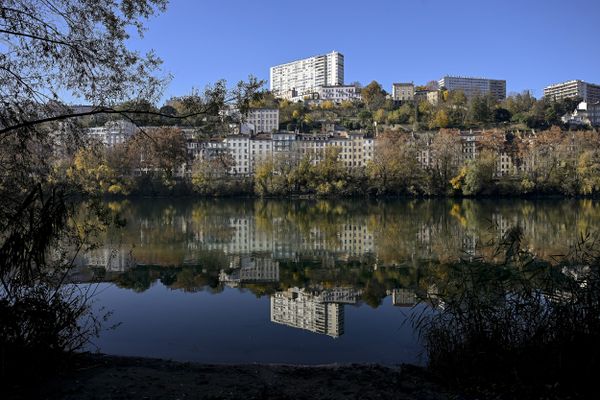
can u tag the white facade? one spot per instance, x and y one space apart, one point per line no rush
356 150
261 120
238 147
303 77
247 152
588 92
113 132
337 94
472 87
261 150
470 148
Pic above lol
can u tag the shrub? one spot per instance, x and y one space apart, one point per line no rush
518 328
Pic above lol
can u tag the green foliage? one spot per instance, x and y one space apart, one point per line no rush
284 176
395 169
91 172
52 50
402 115
373 96
501 115
441 120
588 171
481 110
210 177
479 174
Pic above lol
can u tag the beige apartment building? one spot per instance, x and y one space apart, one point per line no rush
430 96
403 91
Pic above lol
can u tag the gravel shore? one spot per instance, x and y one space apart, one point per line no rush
107 377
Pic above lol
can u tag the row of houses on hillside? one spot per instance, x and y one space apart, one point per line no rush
243 153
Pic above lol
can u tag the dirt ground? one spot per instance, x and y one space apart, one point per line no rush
108 377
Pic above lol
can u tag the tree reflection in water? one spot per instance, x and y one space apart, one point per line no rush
313 259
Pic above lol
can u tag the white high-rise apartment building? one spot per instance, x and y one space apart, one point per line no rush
588 92
303 77
475 86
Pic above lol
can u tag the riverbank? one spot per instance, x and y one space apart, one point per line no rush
101 377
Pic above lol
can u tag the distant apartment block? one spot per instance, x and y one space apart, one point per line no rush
337 94
475 86
261 120
403 91
303 77
113 132
468 148
247 152
588 92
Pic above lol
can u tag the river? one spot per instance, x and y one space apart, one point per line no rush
296 281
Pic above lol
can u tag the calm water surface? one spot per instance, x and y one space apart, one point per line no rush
308 282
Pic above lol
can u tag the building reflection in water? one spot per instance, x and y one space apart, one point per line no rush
272 246
112 259
403 297
250 269
319 312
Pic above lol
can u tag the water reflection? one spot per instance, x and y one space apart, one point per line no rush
249 269
319 312
313 259
174 233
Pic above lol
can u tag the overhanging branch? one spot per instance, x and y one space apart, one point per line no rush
102 110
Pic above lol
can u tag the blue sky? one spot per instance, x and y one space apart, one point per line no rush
530 43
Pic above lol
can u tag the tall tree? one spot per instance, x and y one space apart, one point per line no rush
53 49
394 168
446 152
373 96
159 151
